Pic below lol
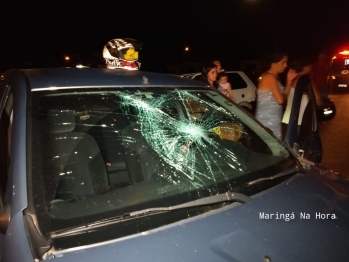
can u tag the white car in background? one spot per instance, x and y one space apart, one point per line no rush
244 90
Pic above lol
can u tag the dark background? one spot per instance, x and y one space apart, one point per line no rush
41 33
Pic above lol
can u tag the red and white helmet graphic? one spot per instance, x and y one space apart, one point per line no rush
122 53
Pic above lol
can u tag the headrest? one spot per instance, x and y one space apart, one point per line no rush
59 121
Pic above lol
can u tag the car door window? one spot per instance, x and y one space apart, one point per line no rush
309 138
236 81
5 141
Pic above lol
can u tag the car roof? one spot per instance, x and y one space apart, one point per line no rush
199 73
65 78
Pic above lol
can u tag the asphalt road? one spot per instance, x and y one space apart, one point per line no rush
335 136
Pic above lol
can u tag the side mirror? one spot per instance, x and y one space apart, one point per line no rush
298 150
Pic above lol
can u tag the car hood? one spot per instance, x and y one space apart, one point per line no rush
310 223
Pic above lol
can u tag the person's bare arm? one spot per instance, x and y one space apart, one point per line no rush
291 74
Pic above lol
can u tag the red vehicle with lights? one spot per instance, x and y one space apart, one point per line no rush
339 76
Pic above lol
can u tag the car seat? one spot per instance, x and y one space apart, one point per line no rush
77 159
141 159
107 132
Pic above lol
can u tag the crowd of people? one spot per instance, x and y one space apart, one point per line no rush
214 76
274 100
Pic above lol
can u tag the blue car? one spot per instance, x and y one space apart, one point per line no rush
116 165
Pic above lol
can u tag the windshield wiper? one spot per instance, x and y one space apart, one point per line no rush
220 198
287 172
225 197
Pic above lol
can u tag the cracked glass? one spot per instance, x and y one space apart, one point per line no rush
99 153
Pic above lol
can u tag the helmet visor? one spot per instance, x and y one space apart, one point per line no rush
129 54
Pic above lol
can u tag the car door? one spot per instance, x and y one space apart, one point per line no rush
6 104
239 87
306 135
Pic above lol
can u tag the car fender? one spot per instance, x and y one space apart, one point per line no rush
250 90
15 246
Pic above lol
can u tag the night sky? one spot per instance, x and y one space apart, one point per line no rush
40 33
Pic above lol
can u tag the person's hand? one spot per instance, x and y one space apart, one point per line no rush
291 74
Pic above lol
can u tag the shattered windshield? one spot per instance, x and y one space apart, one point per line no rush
101 153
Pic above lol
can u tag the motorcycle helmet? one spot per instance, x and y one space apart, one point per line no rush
122 53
